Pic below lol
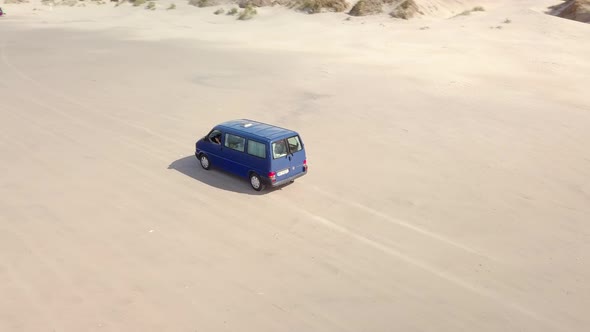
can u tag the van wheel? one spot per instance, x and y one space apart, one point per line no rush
204 161
255 182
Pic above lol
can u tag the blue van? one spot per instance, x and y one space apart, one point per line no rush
265 154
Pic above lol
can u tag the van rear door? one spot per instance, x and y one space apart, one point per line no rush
288 157
297 156
280 159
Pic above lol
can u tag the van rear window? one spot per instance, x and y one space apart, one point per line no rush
294 144
256 149
279 149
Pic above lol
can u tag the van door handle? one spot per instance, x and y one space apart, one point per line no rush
289 158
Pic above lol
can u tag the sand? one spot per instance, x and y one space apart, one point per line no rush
449 183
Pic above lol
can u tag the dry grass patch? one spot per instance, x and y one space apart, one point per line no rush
577 10
202 3
259 3
248 13
69 3
318 6
366 7
405 10
469 11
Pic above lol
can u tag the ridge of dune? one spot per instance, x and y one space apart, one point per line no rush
444 8
404 9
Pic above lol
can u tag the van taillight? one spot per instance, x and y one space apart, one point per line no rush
305 162
272 176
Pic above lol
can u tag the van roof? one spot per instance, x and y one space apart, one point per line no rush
258 129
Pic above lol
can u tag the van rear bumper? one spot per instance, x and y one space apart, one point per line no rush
283 181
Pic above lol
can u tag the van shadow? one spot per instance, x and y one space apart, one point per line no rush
217 178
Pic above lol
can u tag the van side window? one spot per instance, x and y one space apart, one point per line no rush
294 144
215 137
235 142
256 149
279 149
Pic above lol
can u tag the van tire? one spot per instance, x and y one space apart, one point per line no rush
204 161
256 182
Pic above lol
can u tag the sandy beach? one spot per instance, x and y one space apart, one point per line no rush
448 185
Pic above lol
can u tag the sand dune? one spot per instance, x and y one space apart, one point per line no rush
449 170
